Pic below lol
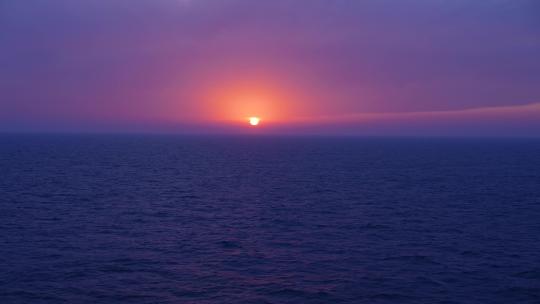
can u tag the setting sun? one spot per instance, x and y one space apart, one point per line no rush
254 121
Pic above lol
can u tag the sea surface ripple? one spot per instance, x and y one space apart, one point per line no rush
261 219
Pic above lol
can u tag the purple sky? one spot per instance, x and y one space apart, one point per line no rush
379 67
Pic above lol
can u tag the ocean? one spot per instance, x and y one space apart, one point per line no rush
268 219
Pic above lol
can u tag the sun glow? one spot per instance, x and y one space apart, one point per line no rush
254 121
236 102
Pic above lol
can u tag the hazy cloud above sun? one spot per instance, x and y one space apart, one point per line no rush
163 60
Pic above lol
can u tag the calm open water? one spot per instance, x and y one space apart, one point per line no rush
165 219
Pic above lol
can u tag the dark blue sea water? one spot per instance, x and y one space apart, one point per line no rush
166 219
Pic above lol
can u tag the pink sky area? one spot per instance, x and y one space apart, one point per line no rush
418 67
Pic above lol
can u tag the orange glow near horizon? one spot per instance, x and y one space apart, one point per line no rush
234 102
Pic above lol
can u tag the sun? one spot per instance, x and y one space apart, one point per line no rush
254 121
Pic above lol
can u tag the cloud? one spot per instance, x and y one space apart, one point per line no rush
526 110
513 120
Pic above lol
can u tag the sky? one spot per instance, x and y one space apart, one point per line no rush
370 67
